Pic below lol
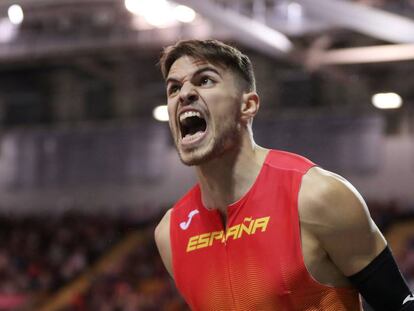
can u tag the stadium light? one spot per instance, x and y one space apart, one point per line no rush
15 14
160 113
157 13
387 100
184 14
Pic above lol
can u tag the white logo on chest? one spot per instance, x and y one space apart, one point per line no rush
185 224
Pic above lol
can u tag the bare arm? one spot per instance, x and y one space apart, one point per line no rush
162 239
335 213
338 217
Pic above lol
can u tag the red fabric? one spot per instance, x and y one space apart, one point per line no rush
259 266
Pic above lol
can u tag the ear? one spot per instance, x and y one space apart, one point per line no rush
250 106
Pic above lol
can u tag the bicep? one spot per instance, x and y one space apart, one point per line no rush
162 240
343 224
354 243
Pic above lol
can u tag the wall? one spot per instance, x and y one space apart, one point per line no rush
134 167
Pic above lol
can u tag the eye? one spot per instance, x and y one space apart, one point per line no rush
206 81
173 89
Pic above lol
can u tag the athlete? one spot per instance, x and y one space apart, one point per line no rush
262 229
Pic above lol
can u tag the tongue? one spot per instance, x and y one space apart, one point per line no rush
188 138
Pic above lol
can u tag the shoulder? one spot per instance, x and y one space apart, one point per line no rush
162 229
182 206
333 212
162 240
288 161
187 201
331 198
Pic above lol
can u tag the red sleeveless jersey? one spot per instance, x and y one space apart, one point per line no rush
256 262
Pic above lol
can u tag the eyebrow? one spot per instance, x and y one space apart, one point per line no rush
195 73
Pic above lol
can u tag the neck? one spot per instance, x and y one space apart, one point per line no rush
226 179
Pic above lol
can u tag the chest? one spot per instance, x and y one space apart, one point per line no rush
251 264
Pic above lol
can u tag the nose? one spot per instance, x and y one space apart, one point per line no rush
188 94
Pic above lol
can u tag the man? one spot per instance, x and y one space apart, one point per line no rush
262 229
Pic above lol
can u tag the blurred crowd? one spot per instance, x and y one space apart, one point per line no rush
138 281
389 215
39 256
406 262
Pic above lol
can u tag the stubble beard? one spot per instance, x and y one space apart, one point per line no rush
228 139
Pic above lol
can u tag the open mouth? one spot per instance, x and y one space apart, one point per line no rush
192 125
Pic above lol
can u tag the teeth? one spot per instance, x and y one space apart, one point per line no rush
188 114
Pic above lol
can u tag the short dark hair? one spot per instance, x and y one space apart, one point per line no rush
213 51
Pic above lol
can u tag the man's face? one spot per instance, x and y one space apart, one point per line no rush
204 109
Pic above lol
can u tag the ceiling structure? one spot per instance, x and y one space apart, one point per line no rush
272 27
373 38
